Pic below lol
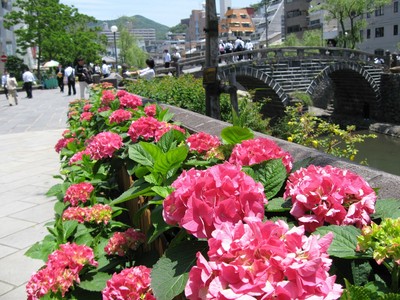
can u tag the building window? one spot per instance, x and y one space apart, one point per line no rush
395 6
246 24
368 15
379 32
395 29
295 28
379 11
368 33
243 16
293 13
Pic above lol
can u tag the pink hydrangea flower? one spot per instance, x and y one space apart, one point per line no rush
202 142
103 108
104 145
79 156
255 151
130 284
164 128
144 127
121 242
130 100
330 195
120 115
63 143
87 107
86 116
79 192
107 97
61 271
263 261
121 93
203 200
150 110
98 213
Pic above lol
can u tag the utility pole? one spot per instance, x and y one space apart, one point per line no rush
266 22
210 79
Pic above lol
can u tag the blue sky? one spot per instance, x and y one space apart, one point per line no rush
166 12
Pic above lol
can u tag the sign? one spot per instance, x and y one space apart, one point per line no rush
3 58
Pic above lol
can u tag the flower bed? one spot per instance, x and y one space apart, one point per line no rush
147 210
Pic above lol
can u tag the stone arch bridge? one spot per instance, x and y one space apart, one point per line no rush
277 73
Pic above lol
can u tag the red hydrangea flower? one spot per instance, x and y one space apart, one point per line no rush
144 127
130 284
107 97
121 93
104 145
202 142
98 213
78 156
61 271
330 195
263 261
63 143
120 115
87 107
86 116
79 192
203 200
121 242
255 151
130 100
150 110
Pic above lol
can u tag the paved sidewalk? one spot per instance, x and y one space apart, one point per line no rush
28 133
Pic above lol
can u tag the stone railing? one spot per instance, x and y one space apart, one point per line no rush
388 184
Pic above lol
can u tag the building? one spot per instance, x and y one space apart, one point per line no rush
224 5
197 23
237 22
382 31
317 20
295 18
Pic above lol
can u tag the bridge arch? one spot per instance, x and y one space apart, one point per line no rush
264 85
356 92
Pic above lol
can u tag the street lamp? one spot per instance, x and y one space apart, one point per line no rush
114 29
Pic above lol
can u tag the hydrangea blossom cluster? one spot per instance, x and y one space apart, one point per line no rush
79 192
260 260
120 115
61 270
87 107
121 242
150 128
150 110
79 156
86 116
130 284
104 145
97 213
63 143
205 199
130 100
107 97
329 195
121 93
202 142
255 151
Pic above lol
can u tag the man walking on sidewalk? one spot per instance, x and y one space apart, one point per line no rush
28 79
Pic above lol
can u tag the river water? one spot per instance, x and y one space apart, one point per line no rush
382 153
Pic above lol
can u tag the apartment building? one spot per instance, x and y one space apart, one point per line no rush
296 17
237 22
7 38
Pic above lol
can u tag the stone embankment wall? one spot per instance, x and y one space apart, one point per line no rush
387 183
390 95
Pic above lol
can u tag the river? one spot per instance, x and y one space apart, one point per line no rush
382 153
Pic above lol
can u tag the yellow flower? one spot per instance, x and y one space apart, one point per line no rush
290 139
315 143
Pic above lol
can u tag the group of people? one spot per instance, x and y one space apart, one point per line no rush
236 46
10 85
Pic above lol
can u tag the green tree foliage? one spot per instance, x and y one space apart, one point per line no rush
15 65
311 38
178 28
59 31
349 12
130 53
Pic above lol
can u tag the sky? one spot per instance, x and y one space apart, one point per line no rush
166 12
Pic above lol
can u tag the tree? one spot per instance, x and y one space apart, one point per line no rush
15 65
58 31
130 53
178 28
349 11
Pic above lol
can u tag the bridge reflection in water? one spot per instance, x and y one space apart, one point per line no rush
276 73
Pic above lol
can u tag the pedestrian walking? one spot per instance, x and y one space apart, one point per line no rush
4 78
84 77
166 58
12 85
28 79
60 77
70 74
105 69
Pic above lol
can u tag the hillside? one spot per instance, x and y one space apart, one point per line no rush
138 22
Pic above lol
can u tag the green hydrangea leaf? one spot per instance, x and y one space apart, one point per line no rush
387 208
94 282
235 135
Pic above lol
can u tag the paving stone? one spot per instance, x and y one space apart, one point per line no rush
17 293
5 250
11 226
10 207
37 214
4 288
26 238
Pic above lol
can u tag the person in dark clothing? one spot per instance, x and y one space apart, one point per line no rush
84 76
60 77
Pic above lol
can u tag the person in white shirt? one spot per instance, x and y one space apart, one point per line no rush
167 58
12 85
249 47
70 74
105 69
28 79
147 73
4 82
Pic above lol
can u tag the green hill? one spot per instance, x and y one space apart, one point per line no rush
138 22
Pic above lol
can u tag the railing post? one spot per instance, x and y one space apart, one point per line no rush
300 53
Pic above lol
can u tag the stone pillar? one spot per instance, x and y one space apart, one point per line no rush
390 94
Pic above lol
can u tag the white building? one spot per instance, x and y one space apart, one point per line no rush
224 5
